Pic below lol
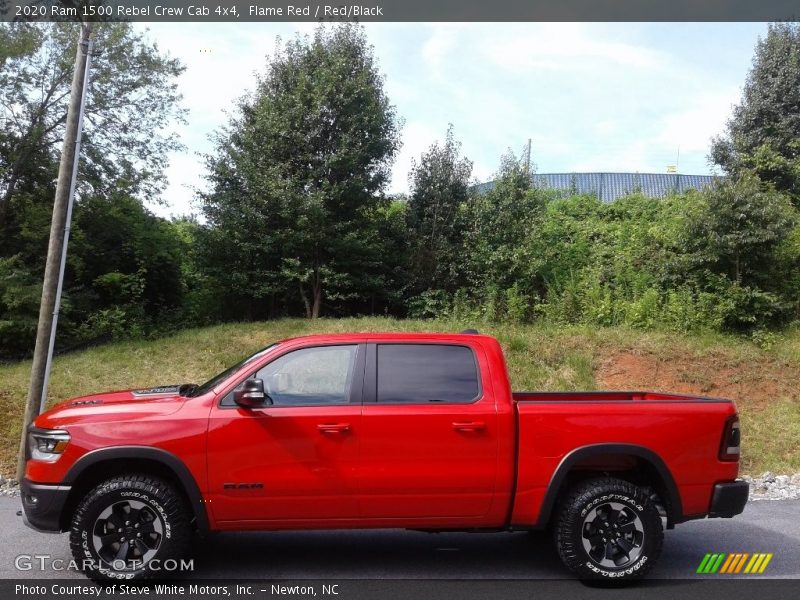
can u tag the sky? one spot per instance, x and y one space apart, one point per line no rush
630 97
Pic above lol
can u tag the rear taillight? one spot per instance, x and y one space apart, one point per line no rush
731 439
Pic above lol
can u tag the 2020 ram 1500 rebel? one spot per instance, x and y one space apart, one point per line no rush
417 431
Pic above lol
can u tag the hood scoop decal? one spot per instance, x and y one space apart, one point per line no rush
85 402
155 391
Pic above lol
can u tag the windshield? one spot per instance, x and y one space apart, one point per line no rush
202 389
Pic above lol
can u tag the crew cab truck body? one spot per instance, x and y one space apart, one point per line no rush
418 431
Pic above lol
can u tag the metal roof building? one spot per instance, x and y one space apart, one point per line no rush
610 186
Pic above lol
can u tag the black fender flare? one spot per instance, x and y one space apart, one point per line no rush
674 507
167 459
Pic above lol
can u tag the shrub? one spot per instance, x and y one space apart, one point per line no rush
517 305
645 311
430 304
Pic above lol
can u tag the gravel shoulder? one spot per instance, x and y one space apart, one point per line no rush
770 486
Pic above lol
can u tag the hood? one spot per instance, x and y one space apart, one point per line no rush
110 406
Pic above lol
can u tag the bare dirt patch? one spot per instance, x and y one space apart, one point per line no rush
755 383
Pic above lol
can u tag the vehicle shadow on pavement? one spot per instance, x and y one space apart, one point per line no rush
399 554
364 554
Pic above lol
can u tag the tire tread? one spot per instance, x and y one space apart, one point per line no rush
569 517
171 500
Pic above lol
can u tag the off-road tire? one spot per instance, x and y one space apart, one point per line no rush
154 506
582 521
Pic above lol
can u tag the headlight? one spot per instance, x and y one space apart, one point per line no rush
47 444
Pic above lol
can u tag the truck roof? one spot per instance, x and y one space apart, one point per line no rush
391 335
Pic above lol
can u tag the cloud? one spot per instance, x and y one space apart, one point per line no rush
417 139
633 157
564 46
185 173
703 117
591 96
221 63
437 48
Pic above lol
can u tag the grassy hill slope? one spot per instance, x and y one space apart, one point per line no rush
764 383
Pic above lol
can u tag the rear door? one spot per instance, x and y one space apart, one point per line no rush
429 433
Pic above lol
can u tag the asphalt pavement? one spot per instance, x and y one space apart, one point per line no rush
765 526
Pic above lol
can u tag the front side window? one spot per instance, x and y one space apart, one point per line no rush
310 376
421 373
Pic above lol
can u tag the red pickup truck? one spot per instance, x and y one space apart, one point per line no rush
416 431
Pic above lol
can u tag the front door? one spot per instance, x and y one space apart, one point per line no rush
295 460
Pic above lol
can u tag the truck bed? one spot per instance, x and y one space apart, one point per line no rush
683 430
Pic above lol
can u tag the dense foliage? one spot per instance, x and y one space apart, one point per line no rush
726 258
297 222
121 272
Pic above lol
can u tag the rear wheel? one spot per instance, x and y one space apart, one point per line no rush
609 529
129 527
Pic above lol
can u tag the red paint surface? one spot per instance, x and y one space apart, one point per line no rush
486 464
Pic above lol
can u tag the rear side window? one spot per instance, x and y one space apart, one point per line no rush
418 373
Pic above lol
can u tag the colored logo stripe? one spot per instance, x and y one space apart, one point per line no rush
740 564
727 564
711 562
734 563
758 563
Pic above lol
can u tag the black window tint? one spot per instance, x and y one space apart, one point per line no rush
426 373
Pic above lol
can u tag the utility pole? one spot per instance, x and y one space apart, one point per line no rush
59 237
528 158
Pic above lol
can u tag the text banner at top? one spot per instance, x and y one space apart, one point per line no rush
400 10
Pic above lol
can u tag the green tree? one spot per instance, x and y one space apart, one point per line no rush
239 247
391 270
439 187
117 235
298 173
20 294
763 134
499 224
132 101
740 228
729 249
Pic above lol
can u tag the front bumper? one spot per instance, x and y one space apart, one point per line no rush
729 499
42 505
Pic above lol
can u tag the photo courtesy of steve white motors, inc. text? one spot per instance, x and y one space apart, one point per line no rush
172 589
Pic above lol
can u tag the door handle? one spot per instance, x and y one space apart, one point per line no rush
333 427
469 426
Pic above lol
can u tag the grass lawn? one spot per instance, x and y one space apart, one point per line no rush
764 383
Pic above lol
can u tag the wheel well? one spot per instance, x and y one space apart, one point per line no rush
98 472
633 469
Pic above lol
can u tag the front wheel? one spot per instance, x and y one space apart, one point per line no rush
609 529
130 527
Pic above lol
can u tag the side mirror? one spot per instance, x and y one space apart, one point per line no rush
250 394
